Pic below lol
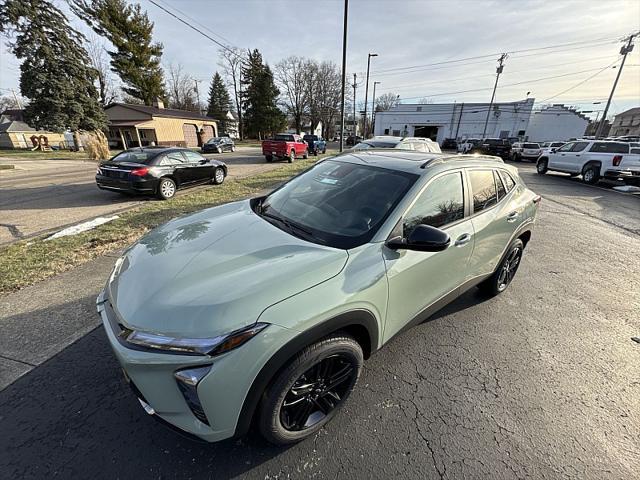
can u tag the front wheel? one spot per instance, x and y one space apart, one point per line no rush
218 176
591 175
501 278
166 189
310 391
542 166
218 150
305 155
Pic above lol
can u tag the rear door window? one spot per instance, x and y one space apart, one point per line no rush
483 189
609 147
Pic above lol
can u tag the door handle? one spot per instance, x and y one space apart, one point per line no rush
577 155
512 217
463 240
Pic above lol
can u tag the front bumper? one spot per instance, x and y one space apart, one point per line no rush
221 392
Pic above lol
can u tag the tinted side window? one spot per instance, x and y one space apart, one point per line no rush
483 188
192 157
441 203
579 146
509 183
502 192
173 158
605 147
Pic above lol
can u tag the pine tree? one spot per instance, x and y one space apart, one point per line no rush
259 98
55 74
219 102
136 58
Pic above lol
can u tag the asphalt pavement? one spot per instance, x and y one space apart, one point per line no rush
539 382
41 196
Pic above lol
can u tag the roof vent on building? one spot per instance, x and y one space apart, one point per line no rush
158 103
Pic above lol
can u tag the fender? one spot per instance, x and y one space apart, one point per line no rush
355 318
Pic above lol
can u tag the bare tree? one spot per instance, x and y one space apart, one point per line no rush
99 58
386 102
8 102
231 60
181 89
292 79
324 86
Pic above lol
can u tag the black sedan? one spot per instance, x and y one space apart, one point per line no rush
219 145
158 171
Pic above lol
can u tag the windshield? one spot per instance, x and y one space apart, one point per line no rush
134 156
338 204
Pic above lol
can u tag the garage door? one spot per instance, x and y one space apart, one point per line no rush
190 135
208 132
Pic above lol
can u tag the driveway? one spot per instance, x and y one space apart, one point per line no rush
44 196
540 382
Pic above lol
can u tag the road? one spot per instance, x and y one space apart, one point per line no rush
540 382
44 196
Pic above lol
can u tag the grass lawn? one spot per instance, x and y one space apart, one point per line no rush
27 262
25 154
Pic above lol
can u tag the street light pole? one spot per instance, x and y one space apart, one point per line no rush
344 72
623 51
373 108
366 93
355 123
501 60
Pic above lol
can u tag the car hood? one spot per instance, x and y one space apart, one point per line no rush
213 272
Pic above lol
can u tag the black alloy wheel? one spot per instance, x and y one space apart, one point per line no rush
509 268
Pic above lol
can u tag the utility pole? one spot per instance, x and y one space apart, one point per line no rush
623 51
373 108
459 120
366 94
197 94
355 123
501 60
344 72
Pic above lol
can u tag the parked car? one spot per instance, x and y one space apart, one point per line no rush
158 171
418 144
547 146
449 144
285 146
525 151
468 145
498 147
219 145
262 311
353 140
593 159
316 144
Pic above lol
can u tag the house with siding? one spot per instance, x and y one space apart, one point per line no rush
16 133
143 125
626 123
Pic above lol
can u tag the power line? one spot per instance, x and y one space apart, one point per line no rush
582 81
225 47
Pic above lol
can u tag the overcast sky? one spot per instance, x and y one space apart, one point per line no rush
418 33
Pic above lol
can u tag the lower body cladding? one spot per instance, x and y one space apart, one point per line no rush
199 395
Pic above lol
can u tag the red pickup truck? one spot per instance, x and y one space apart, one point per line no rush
285 145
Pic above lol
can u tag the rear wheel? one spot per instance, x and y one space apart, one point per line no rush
305 155
591 174
310 391
501 278
218 176
542 166
269 158
292 156
166 189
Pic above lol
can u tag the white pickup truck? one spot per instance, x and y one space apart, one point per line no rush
593 159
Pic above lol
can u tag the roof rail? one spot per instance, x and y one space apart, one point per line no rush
449 158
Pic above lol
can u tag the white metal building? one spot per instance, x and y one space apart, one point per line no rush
556 123
456 120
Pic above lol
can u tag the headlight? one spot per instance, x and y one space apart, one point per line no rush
193 346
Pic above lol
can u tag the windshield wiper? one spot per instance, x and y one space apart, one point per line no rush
290 226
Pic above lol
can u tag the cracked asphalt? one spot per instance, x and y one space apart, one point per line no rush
540 382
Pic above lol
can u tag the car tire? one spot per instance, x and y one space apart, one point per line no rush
218 176
502 277
315 153
324 150
166 189
292 156
315 364
305 155
542 166
269 158
515 157
591 174
218 150
233 148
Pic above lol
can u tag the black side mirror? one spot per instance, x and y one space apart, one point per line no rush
423 238
553 150
203 161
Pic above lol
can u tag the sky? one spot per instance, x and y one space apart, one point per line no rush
443 51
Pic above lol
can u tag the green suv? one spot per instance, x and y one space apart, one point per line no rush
262 311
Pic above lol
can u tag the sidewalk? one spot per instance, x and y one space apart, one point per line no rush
39 321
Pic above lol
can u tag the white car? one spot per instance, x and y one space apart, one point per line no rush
525 151
593 159
547 146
